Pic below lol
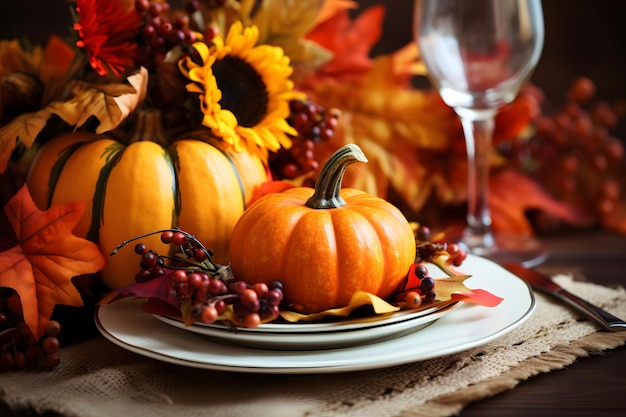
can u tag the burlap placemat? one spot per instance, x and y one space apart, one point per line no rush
96 378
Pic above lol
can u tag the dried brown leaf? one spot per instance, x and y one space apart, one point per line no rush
109 103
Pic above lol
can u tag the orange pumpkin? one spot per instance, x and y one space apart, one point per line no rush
324 244
147 184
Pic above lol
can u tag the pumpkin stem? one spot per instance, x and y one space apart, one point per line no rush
328 186
148 126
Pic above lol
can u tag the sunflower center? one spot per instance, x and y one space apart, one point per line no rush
243 90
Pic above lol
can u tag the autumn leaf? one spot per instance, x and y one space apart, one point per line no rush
283 23
40 267
508 210
350 42
270 187
57 58
109 103
330 8
451 288
359 299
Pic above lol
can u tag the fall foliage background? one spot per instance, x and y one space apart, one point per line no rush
581 40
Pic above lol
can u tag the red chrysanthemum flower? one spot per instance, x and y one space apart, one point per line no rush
106 29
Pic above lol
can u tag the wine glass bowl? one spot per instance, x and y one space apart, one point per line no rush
478 54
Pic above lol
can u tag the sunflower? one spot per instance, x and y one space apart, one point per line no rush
244 91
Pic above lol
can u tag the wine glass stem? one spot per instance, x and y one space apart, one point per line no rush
478 128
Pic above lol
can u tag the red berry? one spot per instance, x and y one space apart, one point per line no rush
421 271
50 344
194 280
413 299
142 5
239 287
6 360
249 296
252 320
166 237
19 360
210 33
209 314
261 289
53 328
274 297
155 9
51 360
199 255
179 238
582 90
180 276
220 306
140 248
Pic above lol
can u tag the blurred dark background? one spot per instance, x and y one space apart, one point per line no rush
583 38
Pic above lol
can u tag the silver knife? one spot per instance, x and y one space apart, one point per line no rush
544 283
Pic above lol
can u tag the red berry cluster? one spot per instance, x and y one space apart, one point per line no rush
192 277
19 348
314 125
428 250
574 155
161 30
421 290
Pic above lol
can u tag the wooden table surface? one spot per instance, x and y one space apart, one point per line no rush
592 386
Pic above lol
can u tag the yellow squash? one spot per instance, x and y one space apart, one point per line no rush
144 185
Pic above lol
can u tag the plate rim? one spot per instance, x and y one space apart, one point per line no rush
306 328
318 341
327 367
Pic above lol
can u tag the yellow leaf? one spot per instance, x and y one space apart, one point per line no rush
284 23
359 299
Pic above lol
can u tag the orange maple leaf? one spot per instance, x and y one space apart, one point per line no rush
40 267
350 41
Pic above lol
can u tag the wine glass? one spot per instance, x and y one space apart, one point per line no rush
478 54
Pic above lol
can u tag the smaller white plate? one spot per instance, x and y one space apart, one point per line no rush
326 326
391 326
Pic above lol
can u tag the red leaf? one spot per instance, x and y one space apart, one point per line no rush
477 296
160 307
269 187
512 194
41 266
154 288
349 41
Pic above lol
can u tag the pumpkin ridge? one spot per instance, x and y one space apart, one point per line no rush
237 175
57 168
174 159
112 155
320 289
230 159
364 231
369 206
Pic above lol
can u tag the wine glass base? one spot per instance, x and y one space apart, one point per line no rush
506 248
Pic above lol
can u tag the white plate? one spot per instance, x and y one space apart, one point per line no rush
312 340
323 334
127 325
